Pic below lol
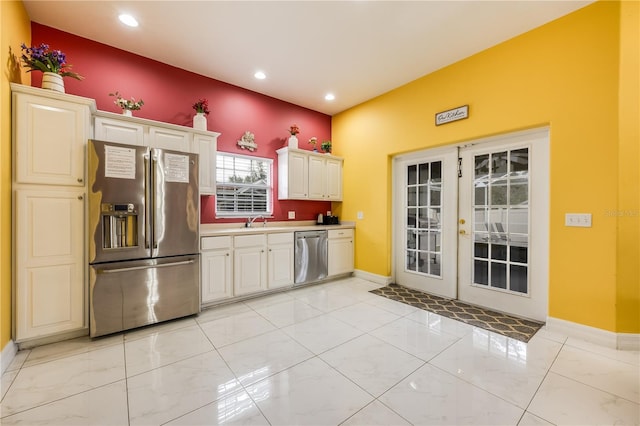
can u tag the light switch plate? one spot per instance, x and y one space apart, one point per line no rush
581 220
292 215
360 215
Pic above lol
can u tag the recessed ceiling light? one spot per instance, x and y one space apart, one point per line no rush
128 20
260 75
329 97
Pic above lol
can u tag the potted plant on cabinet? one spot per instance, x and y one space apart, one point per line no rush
326 147
53 64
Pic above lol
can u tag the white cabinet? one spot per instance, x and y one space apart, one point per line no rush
280 259
217 258
205 146
340 251
293 174
305 175
49 256
176 140
49 137
250 264
119 131
50 132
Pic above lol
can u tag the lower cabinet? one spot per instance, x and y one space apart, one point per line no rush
217 258
340 251
49 256
280 260
249 264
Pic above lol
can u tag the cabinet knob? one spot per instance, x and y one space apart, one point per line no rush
80 180
80 197
227 254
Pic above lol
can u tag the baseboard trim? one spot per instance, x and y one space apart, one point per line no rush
6 356
378 279
609 339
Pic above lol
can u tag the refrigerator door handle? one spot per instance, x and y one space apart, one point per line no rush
147 231
154 189
137 268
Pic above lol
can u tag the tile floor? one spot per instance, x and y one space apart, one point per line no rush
323 355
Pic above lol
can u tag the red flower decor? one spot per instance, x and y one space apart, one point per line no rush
294 130
202 106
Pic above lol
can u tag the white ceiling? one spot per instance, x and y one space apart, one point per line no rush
354 49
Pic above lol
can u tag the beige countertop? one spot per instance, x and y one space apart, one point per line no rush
212 230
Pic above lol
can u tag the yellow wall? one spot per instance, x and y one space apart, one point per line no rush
15 28
628 215
564 74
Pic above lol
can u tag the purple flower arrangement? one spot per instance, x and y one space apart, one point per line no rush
41 58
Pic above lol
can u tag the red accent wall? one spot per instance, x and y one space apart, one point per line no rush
169 93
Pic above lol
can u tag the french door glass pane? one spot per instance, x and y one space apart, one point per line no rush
424 212
501 220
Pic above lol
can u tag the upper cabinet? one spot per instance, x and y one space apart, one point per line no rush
305 175
138 131
50 133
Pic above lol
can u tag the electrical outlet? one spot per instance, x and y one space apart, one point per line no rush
581 220
292 215
360 215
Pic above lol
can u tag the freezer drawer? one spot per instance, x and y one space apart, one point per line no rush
125 295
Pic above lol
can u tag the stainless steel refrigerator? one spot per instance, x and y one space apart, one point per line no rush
144 259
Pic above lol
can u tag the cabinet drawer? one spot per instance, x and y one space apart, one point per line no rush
340 233
212 243
250 240
280 238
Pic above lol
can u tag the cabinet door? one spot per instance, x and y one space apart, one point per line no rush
334 179
317 178
206 148
250 270
49 139
49 250
216 275
119 131
340 256
280 265
293 175
174 140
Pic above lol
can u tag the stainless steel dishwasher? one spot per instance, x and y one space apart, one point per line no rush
310 258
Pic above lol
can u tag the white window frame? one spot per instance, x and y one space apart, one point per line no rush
268 186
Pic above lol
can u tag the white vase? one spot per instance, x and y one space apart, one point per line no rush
127 113
200 121
52 81
293 142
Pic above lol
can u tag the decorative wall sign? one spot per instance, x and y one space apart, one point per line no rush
248 141
455 114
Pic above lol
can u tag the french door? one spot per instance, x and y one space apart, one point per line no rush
471 223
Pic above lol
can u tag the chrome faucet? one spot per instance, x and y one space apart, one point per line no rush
250 221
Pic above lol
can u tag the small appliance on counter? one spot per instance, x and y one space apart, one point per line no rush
331 220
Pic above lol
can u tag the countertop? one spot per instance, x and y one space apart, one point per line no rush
212 230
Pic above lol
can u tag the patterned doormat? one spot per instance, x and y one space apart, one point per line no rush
507 325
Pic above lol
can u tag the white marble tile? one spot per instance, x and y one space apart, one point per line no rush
550 335
63 377
506 367
529 419
262 356
236 409
235 328
397 308
261 302
151 330
164 348
18 360
564 401
327 300
440 323
372 364
288 312
630 357
431 396
106 405
7 380
376 414
169 392
71 347
417 339
222 311
309 393
322 333
609 375
364 316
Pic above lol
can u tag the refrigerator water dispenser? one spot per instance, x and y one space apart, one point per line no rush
119 225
